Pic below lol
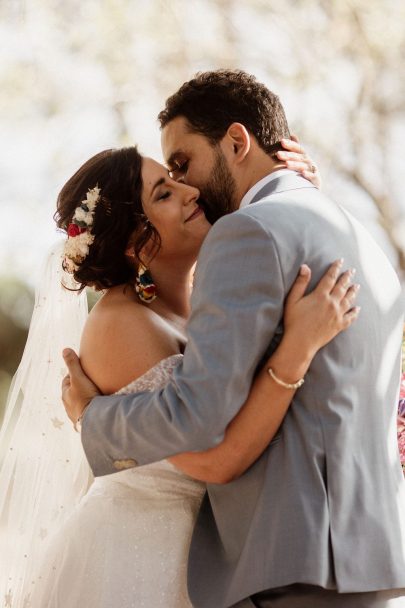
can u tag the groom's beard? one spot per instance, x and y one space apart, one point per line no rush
218 195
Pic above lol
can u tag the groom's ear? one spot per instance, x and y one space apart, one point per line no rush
238 141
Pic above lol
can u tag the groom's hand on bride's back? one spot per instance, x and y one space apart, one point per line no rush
77 389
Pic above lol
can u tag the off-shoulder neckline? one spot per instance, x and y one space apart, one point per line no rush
150 372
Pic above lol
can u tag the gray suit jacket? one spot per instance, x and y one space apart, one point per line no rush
325 502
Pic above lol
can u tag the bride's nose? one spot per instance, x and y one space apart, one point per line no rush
191 194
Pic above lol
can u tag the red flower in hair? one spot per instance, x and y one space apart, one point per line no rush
75 230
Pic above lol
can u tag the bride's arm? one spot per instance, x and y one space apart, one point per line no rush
310 323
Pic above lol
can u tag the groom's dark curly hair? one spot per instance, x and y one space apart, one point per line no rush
212 101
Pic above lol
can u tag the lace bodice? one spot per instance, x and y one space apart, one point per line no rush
153 378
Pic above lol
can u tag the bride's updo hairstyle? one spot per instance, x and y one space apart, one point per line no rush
118 221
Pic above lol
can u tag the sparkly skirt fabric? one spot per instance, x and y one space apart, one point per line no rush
126 544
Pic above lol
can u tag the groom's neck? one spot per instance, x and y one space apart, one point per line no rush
258 165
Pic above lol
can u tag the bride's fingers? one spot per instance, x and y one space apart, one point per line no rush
300 284
349 297
301 165
298 162
293 156
296 156
292 145
309 175
343 284
328 281
296 159
351 316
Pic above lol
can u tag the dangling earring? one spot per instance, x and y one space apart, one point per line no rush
144 285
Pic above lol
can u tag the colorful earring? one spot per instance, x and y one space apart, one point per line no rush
144 285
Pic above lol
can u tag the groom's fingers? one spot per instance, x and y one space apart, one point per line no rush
72 363
65 382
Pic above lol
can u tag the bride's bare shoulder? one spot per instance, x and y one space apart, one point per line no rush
123 339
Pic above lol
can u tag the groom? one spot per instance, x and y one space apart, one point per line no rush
318 520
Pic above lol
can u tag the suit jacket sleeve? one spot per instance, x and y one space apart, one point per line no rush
237 305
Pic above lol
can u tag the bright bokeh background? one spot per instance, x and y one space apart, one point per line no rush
78 76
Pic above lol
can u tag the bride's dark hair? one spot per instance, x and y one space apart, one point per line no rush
118 218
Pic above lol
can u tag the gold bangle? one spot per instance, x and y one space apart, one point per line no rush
78 424
293 386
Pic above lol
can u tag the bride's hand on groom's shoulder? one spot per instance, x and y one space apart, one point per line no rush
296 159
313 319
77 389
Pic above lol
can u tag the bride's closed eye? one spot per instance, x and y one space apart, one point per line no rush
164 195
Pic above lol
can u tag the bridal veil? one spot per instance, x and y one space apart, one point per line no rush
43 470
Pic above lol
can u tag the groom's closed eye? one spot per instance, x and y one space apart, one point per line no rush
178 169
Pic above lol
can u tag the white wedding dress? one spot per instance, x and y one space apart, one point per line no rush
126 544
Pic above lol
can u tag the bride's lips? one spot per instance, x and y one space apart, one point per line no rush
196 213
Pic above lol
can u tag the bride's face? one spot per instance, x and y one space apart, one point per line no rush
172 208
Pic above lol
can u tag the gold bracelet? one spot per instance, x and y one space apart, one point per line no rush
78 424
285 384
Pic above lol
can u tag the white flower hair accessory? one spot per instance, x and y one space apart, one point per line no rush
79 232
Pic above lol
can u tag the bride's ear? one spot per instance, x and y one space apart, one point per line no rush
145 255
129 251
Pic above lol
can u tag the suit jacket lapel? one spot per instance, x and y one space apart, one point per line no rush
289 181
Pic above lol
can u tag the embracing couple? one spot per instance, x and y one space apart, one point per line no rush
241 421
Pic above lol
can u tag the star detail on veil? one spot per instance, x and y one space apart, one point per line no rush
27 601
58 424
43 533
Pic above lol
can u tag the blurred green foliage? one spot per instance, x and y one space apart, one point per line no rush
16 304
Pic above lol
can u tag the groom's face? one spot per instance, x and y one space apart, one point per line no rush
193 159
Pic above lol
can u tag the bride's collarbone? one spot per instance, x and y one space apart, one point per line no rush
172 321
174 327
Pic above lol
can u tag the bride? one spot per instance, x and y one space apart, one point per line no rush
134 234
